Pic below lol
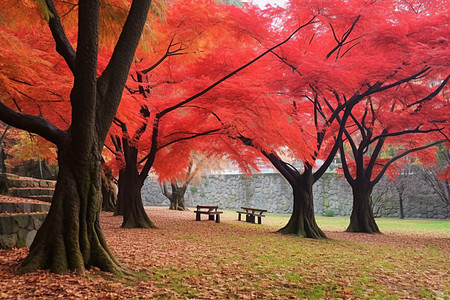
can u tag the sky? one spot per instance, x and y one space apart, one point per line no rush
262 3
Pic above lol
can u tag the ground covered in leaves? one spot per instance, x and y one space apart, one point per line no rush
236 260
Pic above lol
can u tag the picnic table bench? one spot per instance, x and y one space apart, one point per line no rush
251 213
209 210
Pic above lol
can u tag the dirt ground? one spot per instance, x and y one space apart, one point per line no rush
205 260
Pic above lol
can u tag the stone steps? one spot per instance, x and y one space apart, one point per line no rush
26 187
20 220
44 198
23 207
28 192
27 182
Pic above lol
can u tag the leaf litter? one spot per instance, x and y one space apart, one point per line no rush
237 260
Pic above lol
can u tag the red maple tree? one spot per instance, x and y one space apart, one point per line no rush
69 97
355 51
206 93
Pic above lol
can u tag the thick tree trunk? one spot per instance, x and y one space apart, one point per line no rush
109 192
177 200
362 218
130 185
302 221
70 237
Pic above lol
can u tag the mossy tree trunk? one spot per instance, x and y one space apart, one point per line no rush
362 218
134 215
120 194
70 237
129 198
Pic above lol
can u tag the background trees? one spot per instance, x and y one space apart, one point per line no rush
358 52
367 168
437 177
200 85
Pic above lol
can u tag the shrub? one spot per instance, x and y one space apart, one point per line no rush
329 213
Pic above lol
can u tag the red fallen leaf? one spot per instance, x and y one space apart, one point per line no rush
193 279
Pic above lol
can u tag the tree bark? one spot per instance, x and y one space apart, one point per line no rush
401 210
302 221
362 218
134 215
109 192
176 198
70 237
120 194
130 197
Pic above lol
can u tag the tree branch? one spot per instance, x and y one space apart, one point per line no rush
398 133
150 158
167 54
111 83
33 124
392 160
345 168
189 137
433 94
289 172
376 152
169 109
63 46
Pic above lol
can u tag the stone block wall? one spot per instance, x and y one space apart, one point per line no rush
14 207
19 222
272 192
19 230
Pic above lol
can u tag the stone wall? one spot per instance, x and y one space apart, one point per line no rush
272 192
19 222
19 230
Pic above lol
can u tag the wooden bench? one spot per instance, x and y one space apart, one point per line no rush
211 211
251 213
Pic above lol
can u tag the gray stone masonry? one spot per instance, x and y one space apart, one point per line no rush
19 221
27 187
14 207
272 192
19 230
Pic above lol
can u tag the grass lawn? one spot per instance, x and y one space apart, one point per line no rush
236 260
439 228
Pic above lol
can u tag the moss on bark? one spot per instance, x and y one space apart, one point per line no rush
70 237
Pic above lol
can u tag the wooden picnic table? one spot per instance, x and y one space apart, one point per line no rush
210 210
251 213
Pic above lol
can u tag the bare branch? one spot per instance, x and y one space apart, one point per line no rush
190 137
432 95
33 124
399 133
63 46
169 109
392 160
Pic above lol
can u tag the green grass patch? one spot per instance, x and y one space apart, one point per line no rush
340 223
